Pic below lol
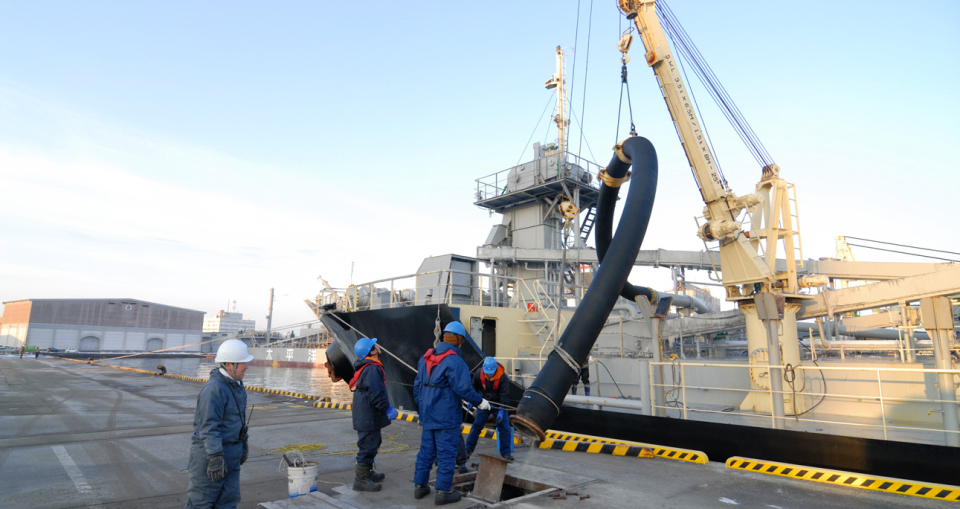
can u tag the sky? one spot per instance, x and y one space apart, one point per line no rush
194 153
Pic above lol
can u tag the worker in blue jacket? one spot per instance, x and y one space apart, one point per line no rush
443 380
492 382
371 411
219 443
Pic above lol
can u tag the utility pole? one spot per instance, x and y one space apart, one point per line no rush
270 315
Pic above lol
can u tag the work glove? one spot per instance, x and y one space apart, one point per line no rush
392 413
246 452
468 405
501 415
216 470
484 405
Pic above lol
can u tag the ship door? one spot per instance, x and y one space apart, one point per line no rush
489 337
485 329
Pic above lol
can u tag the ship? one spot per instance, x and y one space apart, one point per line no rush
860 375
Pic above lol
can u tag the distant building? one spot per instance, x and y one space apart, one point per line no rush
90 325
229 323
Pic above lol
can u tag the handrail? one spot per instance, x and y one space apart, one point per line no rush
883 401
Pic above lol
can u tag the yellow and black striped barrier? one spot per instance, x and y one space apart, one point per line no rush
334 406
631 451
658 450
841 478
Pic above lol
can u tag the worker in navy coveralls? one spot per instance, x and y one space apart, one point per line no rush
219 443
371 411
493 384
443 380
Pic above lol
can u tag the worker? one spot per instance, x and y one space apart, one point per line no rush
442 381
219 443
36 353
161 370
21 351
493 384
371 411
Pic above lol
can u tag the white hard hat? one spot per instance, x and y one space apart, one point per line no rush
233 350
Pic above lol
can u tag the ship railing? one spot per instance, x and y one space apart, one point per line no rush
885 401
496 184
483 290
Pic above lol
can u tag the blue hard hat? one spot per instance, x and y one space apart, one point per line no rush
456 328
489 365
363 347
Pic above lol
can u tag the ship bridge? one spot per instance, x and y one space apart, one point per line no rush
549 175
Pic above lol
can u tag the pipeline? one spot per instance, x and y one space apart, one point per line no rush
863 332
541 402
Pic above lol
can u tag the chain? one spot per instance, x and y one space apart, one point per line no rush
436 329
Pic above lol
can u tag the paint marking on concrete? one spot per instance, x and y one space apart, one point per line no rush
75 475
728 501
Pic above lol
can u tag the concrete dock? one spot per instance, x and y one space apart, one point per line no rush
77 435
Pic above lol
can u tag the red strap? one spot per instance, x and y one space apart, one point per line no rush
433 359
356 376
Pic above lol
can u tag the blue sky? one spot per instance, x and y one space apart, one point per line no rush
194 152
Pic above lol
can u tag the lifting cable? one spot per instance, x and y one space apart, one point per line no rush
624 84
688 49
586 72
524 151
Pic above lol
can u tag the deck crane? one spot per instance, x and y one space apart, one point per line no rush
768 295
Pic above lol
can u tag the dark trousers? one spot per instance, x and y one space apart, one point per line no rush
368 442
438 445
204 493
502 430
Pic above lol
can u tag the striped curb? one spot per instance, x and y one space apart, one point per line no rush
659 451
841 478
631 451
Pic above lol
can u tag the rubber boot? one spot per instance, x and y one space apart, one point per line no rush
586 390
362 481
446 497
421 490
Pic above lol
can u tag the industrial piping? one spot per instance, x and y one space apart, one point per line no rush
541 402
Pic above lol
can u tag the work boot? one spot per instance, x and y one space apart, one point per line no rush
446 497
362 481
462 469
376 476
507 457
421 490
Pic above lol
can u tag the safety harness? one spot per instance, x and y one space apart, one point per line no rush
432 359
356 376
496 377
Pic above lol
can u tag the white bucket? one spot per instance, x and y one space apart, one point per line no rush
302 480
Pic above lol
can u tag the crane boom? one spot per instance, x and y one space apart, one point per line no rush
740 257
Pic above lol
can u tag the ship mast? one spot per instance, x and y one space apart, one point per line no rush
558 81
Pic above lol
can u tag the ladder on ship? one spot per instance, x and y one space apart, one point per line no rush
587 226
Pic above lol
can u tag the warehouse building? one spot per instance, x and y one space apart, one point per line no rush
91 325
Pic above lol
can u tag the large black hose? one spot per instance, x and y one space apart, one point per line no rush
603 231
541 402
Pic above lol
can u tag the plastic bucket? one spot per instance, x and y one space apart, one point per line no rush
302 480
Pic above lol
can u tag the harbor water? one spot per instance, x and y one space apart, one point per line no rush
302 380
